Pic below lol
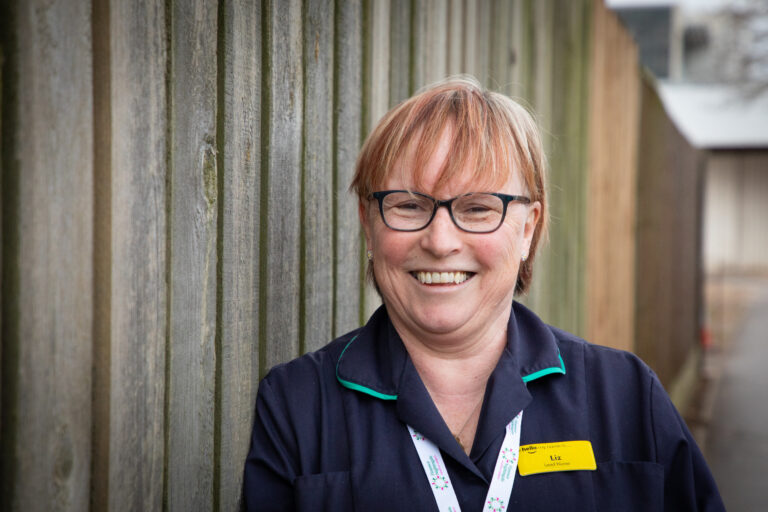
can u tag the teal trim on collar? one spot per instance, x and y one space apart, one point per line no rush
546 371
357 387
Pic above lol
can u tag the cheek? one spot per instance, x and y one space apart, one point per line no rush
390 248
500 253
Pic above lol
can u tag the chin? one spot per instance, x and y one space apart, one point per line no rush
440 323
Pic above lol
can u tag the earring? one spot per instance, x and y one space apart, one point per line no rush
525 257
369 254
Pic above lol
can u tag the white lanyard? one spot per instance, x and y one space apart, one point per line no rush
503 475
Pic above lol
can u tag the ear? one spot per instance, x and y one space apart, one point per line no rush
362 211
534 214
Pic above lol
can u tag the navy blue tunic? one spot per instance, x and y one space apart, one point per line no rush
330 429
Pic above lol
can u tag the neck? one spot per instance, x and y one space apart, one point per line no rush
455 377
451 365
455 372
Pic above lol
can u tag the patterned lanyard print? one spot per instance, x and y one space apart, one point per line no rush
503 475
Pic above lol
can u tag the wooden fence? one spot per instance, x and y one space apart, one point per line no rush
176 220
668 238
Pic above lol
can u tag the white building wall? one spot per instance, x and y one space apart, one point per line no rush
736 212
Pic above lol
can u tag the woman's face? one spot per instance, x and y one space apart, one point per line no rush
490 261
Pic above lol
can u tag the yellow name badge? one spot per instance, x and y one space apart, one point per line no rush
562 456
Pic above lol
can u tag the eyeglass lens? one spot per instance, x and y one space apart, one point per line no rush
476 212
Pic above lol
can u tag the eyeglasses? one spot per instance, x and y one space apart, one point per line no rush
476 212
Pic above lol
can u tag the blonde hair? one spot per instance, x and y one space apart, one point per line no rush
491 135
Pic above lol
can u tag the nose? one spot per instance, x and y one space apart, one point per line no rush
442 237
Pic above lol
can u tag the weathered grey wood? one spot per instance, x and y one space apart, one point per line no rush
502 47
400 54
539 92
477 36
285 97
348 98
430 41
483 45
521 29
47 406
377 59
240 221
542 38
317 195
470 37
455 50
376 105
138 285
193 257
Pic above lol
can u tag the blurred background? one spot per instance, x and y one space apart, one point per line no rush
710 60
176 221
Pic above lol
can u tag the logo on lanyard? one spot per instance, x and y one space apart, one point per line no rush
440 482
496 504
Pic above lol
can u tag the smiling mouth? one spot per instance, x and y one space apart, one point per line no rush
442 277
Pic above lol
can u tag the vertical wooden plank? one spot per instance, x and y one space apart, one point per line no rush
280 266
454 60
542 60
539 15
502 49
483 44
376 94
430 40
469 42
611 182
193 256
239 133
401 82
565 96
138 285
377 59
317 190
348 92
521 39
47 396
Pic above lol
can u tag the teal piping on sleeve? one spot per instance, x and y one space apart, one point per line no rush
546 371
358 387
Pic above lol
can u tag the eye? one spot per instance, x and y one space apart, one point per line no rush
409 205
403 203
476 208
478 205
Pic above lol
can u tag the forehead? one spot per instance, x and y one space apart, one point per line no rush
439 170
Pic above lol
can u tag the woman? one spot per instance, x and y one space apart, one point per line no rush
453 396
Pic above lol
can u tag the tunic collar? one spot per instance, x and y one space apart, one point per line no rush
376 363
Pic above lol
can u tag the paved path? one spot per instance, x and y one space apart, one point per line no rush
737 441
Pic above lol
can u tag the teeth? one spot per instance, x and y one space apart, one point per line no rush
441 277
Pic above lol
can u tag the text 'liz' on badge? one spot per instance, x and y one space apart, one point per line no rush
562 456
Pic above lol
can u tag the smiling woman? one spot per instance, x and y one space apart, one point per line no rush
423 406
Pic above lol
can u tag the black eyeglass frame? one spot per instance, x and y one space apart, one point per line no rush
505 199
